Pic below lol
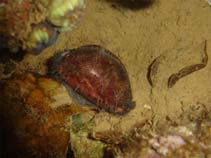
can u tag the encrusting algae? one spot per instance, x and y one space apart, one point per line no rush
35 112
33 26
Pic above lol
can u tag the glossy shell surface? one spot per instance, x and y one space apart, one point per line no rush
97 75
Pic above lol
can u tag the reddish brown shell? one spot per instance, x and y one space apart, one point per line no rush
97 75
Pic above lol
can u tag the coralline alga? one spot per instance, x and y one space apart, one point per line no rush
32 26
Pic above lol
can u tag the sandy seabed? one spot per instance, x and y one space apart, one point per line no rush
165 48
172 33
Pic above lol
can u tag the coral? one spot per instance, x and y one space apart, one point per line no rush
187 139
22 21
42 36
82 146
66 15
35 116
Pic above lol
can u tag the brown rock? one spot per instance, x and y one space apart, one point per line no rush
31 126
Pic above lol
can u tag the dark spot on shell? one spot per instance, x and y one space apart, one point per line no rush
96 74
